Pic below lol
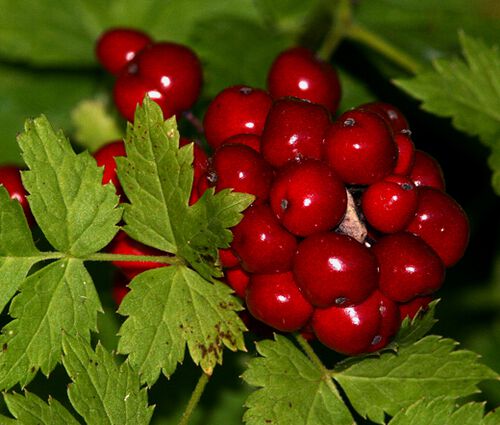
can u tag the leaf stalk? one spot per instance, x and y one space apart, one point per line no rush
195 398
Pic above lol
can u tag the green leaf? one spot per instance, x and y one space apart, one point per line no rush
60 297
103 392
32 410
444 411
157 178
413 330
429 368
468 92
292 390
170 307
104 128
77 214
17 249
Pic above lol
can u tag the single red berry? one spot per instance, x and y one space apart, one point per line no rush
297 72
334 269
412 307
261 243
390 321
307 197
241 168
129 92
391 115
125 245
442 223
105 157
390 204
294 131
238 279
228 258
349 330
359 146
276 300
426 171
236 110
408 267
199 187
250 140
174 70
10 178
406 153
116 47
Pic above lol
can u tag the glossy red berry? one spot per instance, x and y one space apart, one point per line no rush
349 330
200 158
261 243
276 300
105 157
174 70
442 223
391 115
408 267
237 279
412 307
406 153
334 269
360 148
236 110
228 258
117 47
426 171
390 322
10 178
390 204
307 197
297 72
250 140
294 131
241 168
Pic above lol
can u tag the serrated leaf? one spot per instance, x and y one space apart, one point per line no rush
157 178
32 410
60 297
77 214
103 392
444 411
292 390
413 330
104 128
17 249
429 368
171 307
467 91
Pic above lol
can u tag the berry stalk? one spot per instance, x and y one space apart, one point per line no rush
195 398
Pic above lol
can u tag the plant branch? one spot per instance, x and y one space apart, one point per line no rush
195 398
165 259
341 21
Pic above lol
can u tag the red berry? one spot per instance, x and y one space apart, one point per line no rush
408 267
200 158
442 223
294 131
412 307
390 204
406 154
262 244
334 269
117 47
238 279
390 321
307 198
10 178
236 110
174 70
276 300
105 157
426 171
228 258
391 115
299 73
250 140
359 146
241 168
349 330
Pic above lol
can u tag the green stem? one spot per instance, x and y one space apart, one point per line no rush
342 18
195 398
103 256
364 36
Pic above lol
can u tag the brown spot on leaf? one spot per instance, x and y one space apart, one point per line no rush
4 347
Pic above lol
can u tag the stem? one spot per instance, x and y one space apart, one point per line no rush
364 36
342 19
103 256
195 398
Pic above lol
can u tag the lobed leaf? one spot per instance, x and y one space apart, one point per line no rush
102 391
77 214
292 390
413 330
170 307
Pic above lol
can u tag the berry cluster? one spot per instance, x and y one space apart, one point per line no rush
351 229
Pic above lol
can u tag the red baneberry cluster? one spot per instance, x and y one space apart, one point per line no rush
351 229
